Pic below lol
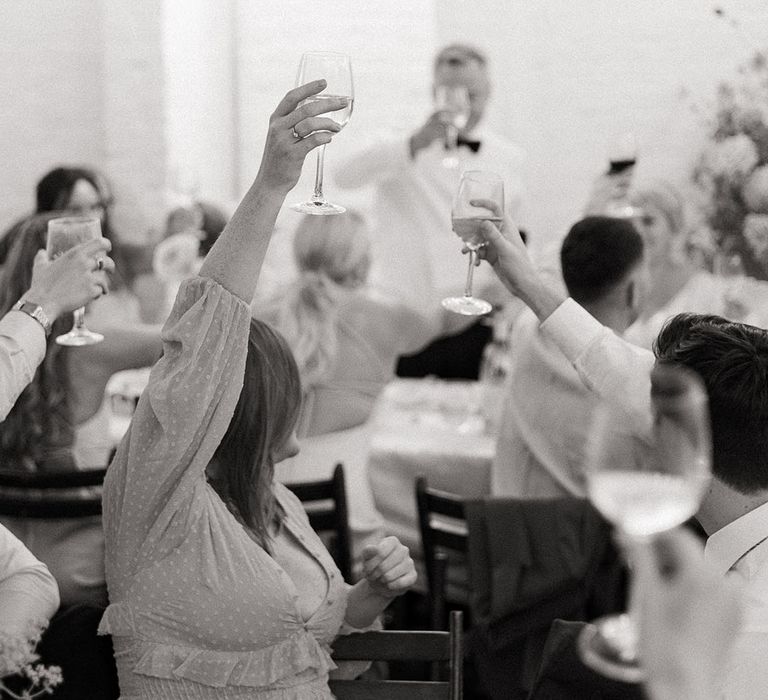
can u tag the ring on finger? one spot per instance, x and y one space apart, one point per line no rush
295 133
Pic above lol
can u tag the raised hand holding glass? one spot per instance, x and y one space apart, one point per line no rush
63 234
467 217
336 70
646 475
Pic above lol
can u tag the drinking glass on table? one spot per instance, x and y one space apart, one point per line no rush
452 105
645 475
63 234
467 219
336 70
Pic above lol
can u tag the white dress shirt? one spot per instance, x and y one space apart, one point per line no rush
561 369
620 372
416 256
740 549
28 593
22 349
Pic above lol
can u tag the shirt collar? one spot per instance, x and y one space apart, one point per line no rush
730 543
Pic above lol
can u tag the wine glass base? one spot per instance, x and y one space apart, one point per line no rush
467 306
319 208
77 338
608 646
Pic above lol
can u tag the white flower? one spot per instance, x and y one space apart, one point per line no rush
756 233
733 157
177 257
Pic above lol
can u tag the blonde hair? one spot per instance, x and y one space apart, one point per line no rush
332 254
666 198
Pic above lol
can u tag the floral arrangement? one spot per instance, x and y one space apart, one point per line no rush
731 172
17 658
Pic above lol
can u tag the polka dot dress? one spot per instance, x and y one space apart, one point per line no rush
198 608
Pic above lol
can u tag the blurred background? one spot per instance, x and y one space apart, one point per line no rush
171 97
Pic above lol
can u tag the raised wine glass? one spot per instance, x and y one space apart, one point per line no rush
336 70
63 234
645 475
452 104
467 219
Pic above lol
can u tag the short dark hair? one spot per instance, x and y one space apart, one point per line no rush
732 360
459 55
597 254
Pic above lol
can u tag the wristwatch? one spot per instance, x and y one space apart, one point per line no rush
36 312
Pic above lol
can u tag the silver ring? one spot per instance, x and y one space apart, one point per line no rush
295 135
99 264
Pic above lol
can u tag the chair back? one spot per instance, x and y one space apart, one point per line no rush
403 645
48 495
326 506
443 529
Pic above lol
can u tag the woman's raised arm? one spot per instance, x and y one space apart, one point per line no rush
236 258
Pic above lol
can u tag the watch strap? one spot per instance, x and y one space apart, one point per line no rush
36 312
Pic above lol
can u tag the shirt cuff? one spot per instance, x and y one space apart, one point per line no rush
572 328
27 333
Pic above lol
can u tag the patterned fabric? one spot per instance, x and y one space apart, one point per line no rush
198 608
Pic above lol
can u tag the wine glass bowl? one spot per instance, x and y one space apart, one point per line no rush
467 220
65 233
645 474
336 70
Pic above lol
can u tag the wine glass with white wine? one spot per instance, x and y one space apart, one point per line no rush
645 475
467 220
63 234
336 70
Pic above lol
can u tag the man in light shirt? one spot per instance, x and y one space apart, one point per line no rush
541 446
416 257
732 360
28 592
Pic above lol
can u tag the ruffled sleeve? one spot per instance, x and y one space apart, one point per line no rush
179 421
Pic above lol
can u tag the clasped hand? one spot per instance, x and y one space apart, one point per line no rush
388 567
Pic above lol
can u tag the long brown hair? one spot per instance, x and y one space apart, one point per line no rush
39 431
265 415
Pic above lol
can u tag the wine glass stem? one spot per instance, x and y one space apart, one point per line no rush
470 273
317 195
79 315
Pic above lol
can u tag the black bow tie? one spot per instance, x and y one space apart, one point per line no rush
473 146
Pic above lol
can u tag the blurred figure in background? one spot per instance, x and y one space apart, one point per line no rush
346 340
677 284
190 232
415 256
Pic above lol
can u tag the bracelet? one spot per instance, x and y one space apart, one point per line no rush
36 312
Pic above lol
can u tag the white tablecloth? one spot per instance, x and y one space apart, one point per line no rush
432 428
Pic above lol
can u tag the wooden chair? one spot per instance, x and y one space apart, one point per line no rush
49 495
401 645
442 525
326 506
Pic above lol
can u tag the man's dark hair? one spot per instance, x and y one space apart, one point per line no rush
597 254
732 360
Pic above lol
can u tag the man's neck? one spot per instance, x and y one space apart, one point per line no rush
722 505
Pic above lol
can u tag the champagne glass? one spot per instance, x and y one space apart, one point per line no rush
336 70
646 475
452 104
467 220
622 157
63 234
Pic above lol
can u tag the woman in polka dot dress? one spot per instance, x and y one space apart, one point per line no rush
218 586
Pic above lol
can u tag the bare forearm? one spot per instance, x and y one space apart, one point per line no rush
533 290
364 605
236 258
